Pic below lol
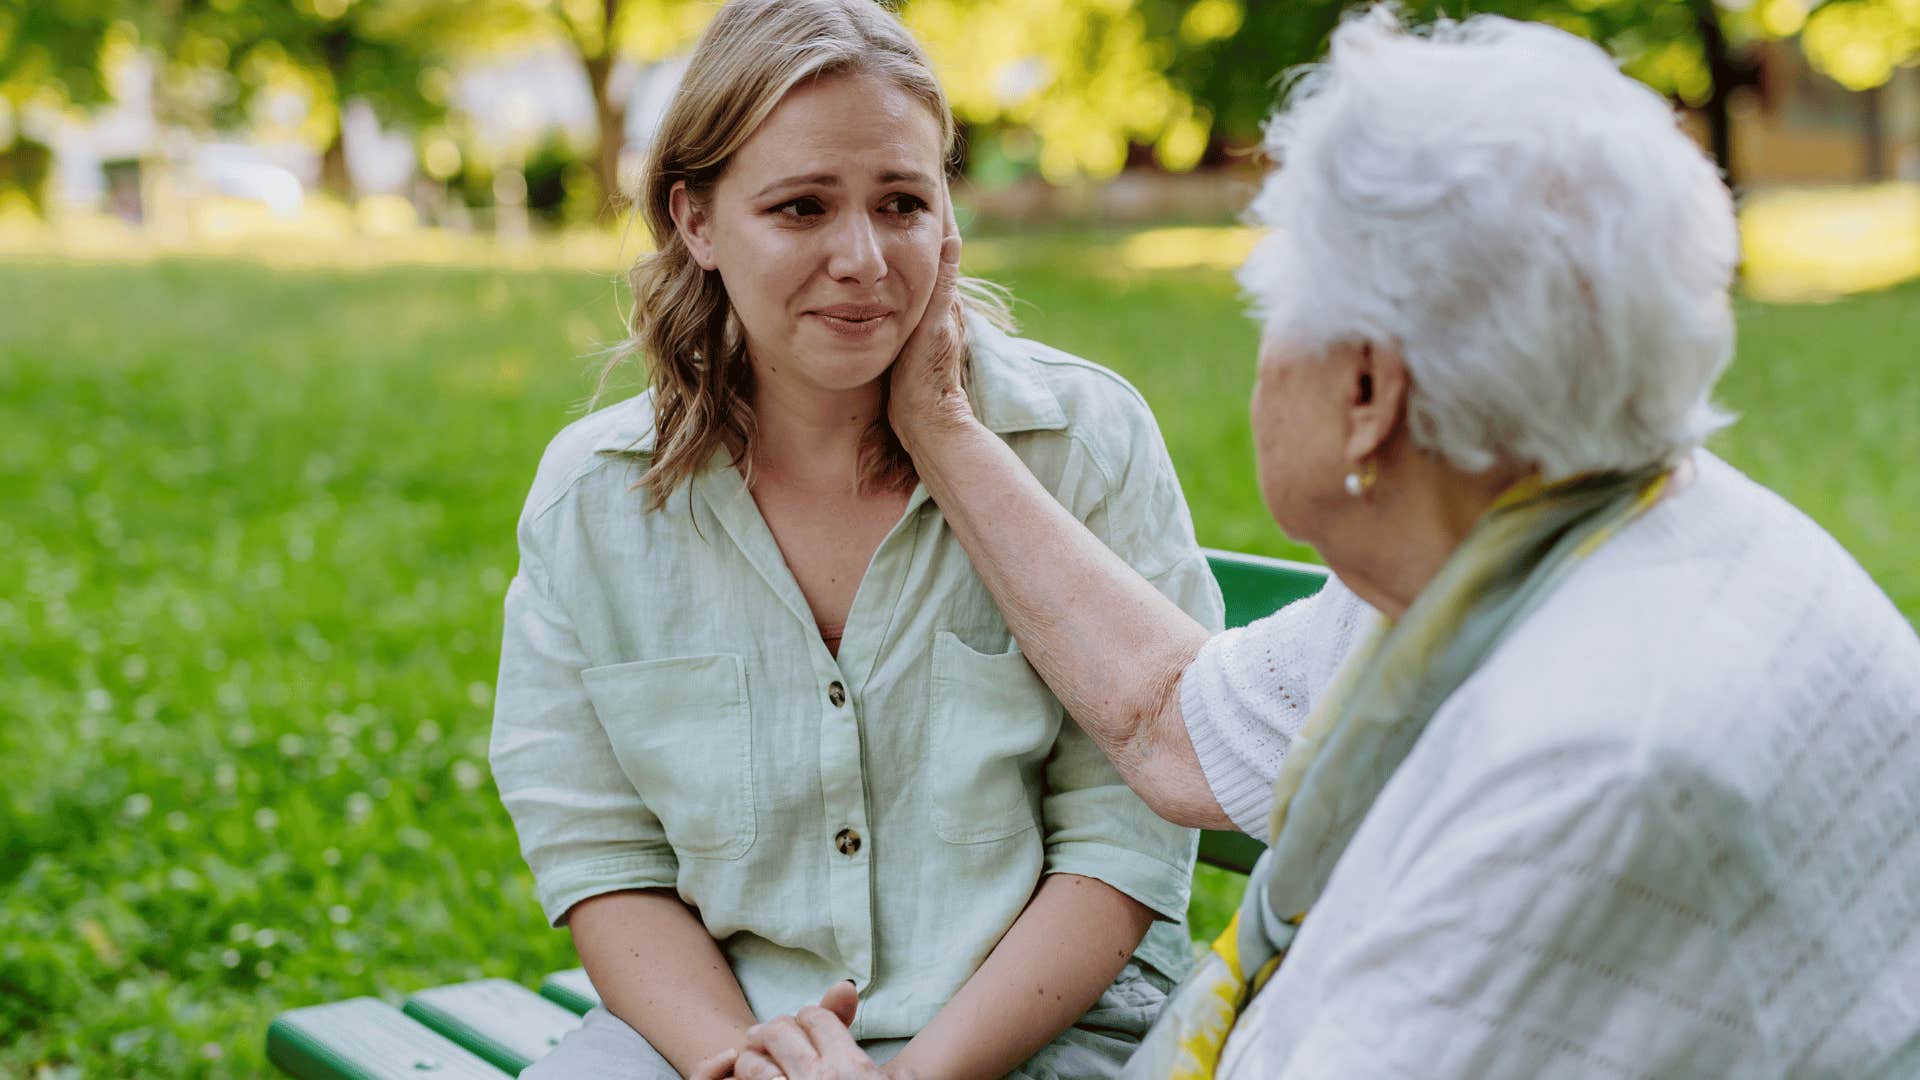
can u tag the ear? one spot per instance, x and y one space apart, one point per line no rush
1376 388
692 221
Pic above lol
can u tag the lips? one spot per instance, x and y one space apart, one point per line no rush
854 312
854 323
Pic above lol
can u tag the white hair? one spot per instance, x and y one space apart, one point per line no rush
1528 225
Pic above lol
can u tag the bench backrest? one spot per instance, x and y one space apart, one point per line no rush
1253 587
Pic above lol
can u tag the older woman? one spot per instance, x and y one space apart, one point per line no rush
1616 778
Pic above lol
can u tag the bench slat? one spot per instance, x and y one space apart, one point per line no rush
500 1020
366 1039
1255 586
571 989
1233 851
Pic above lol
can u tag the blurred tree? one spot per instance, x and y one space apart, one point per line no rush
1065 87
26 164
1189 73
50 52
593 28
1235 75
1083 78
1699 52
388 53
1858 43
600 34
1692 50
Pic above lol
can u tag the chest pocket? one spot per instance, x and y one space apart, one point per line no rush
683 733
994 722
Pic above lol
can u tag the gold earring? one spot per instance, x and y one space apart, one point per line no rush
1360 481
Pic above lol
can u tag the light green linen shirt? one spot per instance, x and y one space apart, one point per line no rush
667 715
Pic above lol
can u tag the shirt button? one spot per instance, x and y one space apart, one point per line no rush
836 694
847 841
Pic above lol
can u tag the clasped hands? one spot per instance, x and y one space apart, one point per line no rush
812 1044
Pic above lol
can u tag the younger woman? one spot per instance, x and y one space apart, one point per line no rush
759 724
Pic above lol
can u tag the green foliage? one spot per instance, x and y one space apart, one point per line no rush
1066 89
259 527
1859 43
1237 77
1663 43
1086 78
52 51
383 51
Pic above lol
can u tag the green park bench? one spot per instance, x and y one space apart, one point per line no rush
490 1027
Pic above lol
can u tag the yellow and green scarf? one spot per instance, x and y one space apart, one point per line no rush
1366 724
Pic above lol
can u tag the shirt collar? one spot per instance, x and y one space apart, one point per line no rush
1008 394
1008 391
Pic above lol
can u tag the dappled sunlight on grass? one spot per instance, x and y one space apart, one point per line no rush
1117 254
1222 248
1817 244
1797 245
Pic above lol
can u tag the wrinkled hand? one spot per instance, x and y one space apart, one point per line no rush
925 393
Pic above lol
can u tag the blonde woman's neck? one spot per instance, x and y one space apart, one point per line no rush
810 438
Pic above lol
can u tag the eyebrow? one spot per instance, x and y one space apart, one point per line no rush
891 176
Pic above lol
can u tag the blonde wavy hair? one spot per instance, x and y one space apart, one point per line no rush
750 56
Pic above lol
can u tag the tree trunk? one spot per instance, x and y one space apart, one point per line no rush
334 177
337 48
1724 75
165 164
27 166
609 114
1873 132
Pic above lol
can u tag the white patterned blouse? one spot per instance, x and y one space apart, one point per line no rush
1671 828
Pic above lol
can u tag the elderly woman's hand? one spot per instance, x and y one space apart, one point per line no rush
925 390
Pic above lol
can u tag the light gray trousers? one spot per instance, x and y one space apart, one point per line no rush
603 1047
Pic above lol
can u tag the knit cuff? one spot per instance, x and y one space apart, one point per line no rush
1242 790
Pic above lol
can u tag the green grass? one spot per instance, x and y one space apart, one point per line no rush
257 527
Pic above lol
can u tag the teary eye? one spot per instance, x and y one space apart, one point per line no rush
803 207
903 204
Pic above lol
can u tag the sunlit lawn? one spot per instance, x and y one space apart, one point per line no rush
257 525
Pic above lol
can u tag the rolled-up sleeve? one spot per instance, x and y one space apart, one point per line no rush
1095 825
583 828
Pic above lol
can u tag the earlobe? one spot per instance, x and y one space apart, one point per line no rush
690 219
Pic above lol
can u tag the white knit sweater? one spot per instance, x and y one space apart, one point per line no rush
1670 828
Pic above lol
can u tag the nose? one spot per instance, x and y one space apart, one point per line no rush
853 251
